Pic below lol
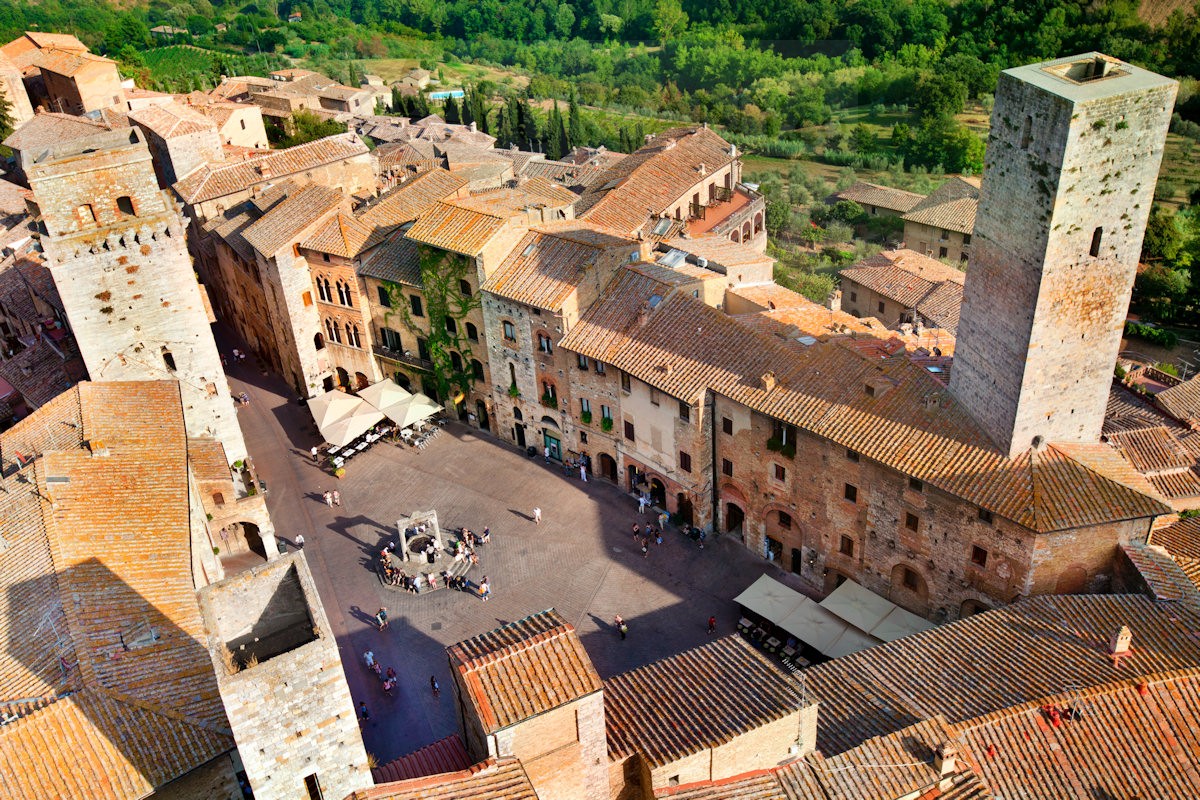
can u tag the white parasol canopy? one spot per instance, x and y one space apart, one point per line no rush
332 406
342 417
412 410
384 395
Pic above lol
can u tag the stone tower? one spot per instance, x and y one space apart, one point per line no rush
1072 161
115 244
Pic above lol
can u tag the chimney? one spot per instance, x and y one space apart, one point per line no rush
643 314
945 758
703 170
97 448
768 381
1118 645
473 127
733 151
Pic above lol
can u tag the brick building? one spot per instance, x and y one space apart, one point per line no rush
71 82
116 246
879 201
46 129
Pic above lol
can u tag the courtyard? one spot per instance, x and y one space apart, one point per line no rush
581 559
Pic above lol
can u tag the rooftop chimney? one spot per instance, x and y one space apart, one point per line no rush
97 448
945 758
768 381
703 170
1120 641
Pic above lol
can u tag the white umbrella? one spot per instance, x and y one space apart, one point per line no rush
384 395
414 409
332 406
345 430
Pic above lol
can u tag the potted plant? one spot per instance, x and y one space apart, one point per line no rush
216 551
606 424
774 445
339 472
549 400
513 391
586 418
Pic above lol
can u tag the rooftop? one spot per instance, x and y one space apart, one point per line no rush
287 221
1087 77
494 779
465 225
171 119
1182 402
699 699
872 194
951 207
522 669
412 198
50 128
913 280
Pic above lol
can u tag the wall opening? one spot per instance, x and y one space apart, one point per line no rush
168 359
1097 236
125 206
1027 132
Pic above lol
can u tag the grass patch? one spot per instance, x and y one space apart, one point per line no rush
184 68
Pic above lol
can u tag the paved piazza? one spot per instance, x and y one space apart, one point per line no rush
580 560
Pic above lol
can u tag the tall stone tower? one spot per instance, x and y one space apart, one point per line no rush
115 245
1072 161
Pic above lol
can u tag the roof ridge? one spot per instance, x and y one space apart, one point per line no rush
159 709
513 648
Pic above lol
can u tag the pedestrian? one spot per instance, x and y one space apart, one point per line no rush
300 541
663 519
642 503
621 627
637 531
381 618
328 499
645 547
546 451
363 714
487 534
582 471
712 625
433 684
387 686
337 497
485 588
315 451
658 536
391 674
369 657
537 516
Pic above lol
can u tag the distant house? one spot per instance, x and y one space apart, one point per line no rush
879 200
903 286
295 16
167 31
940 226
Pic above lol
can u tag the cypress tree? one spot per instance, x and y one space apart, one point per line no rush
574 122
450 111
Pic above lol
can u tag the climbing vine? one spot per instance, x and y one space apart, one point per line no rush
441 273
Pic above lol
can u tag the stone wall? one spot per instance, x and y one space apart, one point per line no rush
936 242
1071 171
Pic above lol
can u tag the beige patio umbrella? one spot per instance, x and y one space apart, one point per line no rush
345 430
412 410
332 406
384 395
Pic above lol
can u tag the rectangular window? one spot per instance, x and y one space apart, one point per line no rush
727 426
625 386
785 520
853 296
308 299
653 396
599 367
882 306
966 239
943 252
985 515
423 349
916 485
414 303
727 467
325 257
585 405
780 473
911 521
629 431
979 556
685 411
385 299
510 331
391 339
583 362
911 580
685 461
313 787
851 455
846 547
850 493
605 412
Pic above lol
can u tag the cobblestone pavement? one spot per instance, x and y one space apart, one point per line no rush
581 560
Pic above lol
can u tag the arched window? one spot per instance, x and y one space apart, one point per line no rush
125 206
549 392
746 232
335 333
758 223
323 289
477 369
343 291
352 335
319 341
735 236
464 286
456 361
168 359
517 415
472 332
451 326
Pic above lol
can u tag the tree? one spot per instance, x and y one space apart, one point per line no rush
564 20
937 94
670 20
127 30
610 26
6 118
557 145
863 139
1163 239
450 111
574 123
778 213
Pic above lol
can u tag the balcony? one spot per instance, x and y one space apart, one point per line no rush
406 357
727 210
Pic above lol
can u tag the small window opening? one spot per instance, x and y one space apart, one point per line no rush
1097 236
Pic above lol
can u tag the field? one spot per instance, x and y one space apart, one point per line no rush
183 68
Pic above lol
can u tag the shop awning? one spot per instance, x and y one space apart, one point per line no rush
869 612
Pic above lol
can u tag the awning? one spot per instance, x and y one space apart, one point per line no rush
385 395
332 406
769 598
869 612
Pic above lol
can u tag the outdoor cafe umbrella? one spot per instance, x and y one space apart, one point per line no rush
412 410
384 395
345 430
332 406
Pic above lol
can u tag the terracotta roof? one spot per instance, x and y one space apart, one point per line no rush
91 617
39 372
220 113
523 668
795 325
1000 659
771 296
502 779
286 222
1128 412
397 260
1152 450
409 156
872 194
893 766
575 177
696 700
206 457
40 40
465 225
1125 743
169 120
942 305
683 347
444 755
654 178
230 229
68 62
548 264
1181 538
223 178
343 235
1177 485
1166 576
1182 402
914 281
412 198
50 128
719 250
951 207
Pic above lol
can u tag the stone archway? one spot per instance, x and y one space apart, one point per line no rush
658 493
241 547
608 467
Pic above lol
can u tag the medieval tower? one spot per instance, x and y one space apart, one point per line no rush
115 244
1072 162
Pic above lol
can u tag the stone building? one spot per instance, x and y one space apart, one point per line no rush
46 129
12 86
879 201
1072 162
238 124
940 225
180 139
279 673
903 287
72 82
116 246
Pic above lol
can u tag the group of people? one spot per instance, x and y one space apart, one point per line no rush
642 537
462 548
388 677
333 498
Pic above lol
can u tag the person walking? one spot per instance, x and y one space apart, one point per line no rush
582 471
337 497
433 685
712 625
381 619
363 714
487 534
637 532
485 588
314 452
663 519
328 499
643 501
546 452
537 516
621 627
300 541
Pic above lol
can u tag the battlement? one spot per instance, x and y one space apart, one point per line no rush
137 234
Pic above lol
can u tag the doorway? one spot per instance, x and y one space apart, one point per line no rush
608 467
519 435
553 444
658 493
481 415
734 518
683 507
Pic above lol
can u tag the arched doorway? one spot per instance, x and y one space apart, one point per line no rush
343 377
240 547
608 467
735 517
631 475
403 381
361 381
658 493
1072 580
519 434
909 589
481 415
683 507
